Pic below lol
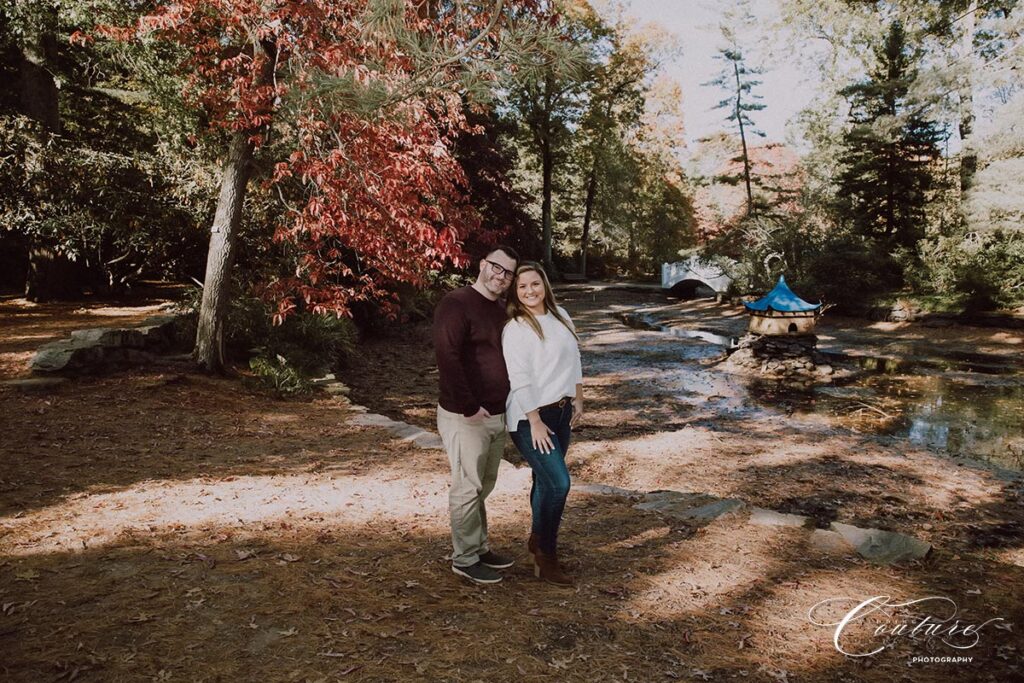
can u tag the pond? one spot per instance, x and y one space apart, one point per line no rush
959 404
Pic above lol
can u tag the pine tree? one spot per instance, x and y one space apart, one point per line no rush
887 151
739 79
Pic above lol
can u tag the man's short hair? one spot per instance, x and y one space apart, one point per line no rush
505 249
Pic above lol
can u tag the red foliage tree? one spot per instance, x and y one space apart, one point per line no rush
364 93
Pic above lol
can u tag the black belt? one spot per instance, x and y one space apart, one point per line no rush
560 403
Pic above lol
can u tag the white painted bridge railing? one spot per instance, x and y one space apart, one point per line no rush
694 268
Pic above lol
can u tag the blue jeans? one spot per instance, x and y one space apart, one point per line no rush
550 475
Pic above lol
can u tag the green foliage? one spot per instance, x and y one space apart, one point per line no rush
836 267
983 271
850 271
311 344
278 376
114 214
95 181
489 158
884 185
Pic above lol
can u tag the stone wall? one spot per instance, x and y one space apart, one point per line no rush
99 349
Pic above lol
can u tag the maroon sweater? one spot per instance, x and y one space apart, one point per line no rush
467 341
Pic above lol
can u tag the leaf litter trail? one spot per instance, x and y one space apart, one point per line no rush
163 525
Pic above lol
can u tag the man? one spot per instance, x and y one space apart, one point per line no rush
471 410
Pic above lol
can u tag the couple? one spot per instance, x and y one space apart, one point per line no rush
513 367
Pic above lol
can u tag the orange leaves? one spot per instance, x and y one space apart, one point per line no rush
81 39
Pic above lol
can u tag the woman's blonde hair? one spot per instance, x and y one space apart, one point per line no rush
516 309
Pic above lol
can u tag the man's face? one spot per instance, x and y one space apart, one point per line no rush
496 272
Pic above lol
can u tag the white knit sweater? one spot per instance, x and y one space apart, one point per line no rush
540 371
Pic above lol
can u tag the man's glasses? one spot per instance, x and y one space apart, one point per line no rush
500 270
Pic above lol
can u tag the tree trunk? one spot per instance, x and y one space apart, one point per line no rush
547 169
968 155
49 275
209 350
743 141
592 181
38 89
587 213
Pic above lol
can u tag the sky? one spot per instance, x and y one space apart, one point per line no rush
695 22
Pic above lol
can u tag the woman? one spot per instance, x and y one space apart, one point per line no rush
545 401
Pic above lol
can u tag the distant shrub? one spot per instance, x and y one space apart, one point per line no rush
983 271
850 271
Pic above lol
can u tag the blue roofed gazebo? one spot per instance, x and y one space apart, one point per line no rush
781 312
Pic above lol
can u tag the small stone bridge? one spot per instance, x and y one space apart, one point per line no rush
688 277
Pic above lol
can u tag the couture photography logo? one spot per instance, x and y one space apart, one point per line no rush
863 627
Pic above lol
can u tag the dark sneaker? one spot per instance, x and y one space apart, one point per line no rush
495 561
478 573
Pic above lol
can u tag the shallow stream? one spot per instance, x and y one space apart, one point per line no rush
959 404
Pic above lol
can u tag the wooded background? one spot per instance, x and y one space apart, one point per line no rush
316 157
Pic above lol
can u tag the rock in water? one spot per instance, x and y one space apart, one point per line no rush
790 357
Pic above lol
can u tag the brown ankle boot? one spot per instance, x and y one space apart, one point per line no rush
546 567
532 544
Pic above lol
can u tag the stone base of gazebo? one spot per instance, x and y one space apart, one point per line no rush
789 357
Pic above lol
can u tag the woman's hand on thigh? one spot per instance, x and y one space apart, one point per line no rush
540 435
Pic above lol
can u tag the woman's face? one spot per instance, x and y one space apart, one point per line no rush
530 291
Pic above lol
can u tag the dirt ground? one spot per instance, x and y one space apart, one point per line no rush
158 524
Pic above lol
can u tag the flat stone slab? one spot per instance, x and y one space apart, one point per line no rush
882 547
701 507
766 517
405 432
605 490
831 542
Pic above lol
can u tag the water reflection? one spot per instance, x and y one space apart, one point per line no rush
975 420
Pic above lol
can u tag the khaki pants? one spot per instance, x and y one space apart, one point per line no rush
474 453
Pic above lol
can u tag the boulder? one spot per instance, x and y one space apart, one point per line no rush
67 355
830 542
96 349
110 337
